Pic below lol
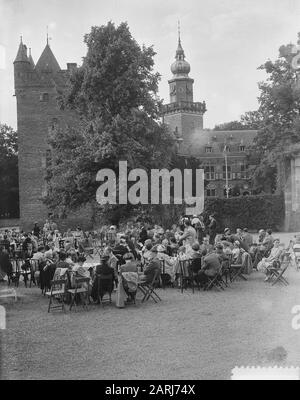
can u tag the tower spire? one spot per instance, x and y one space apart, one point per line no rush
179 41
47 36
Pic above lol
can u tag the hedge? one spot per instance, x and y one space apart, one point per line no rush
252 212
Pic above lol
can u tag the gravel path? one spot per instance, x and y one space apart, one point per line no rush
186 336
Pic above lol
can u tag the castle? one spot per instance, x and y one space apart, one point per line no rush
224 154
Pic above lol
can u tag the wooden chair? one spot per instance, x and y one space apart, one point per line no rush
14 277
277 272
105 285
57 292
34 267
236 271
148 288
186 275
80 290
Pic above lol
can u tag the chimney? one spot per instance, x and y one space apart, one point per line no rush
71 66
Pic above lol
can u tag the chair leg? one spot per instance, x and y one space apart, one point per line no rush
50 302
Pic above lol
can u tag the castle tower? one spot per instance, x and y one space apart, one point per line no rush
182 114
36 91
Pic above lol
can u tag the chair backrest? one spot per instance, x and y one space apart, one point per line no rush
162 266
58 284
105 283
79 281
34 264
185 266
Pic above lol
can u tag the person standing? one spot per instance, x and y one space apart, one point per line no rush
36 230
212 229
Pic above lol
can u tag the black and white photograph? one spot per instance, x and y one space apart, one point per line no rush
149 192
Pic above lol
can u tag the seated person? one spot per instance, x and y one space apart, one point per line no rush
211 267
152 267
121 248
206 246
146 253
267 262
236 253
81 272
196 258
129 276
105 285
169 262
112 261
5 264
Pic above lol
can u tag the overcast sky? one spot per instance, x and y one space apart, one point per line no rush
224 42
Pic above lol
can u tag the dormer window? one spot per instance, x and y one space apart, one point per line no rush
208 149
242 147
44 97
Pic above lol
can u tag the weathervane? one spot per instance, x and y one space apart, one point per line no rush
48 38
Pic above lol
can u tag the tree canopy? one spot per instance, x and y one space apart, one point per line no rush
114 98
9 199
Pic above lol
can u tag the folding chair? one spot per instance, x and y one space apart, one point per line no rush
162 273
97 245
105 285
148 289
236 271
215 281
186 275
276 274
57 292
80 290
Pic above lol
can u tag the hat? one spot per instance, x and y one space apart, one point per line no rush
196 246
160 248
226 230
153 249
128 256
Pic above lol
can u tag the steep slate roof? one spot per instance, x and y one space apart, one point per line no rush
47 61
196 143
22 53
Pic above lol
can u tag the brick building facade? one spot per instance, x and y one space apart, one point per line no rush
36 90
224 155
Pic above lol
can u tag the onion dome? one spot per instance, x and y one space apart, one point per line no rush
180 67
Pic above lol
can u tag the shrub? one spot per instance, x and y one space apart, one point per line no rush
253 212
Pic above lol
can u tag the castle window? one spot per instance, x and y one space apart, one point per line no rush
209 172
208 149
244 171
227 149
44 97
211 192
228 171
242 148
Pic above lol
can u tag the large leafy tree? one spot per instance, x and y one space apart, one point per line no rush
279 107
249 120
114 95
9 198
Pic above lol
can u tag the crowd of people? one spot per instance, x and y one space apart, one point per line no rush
135 251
